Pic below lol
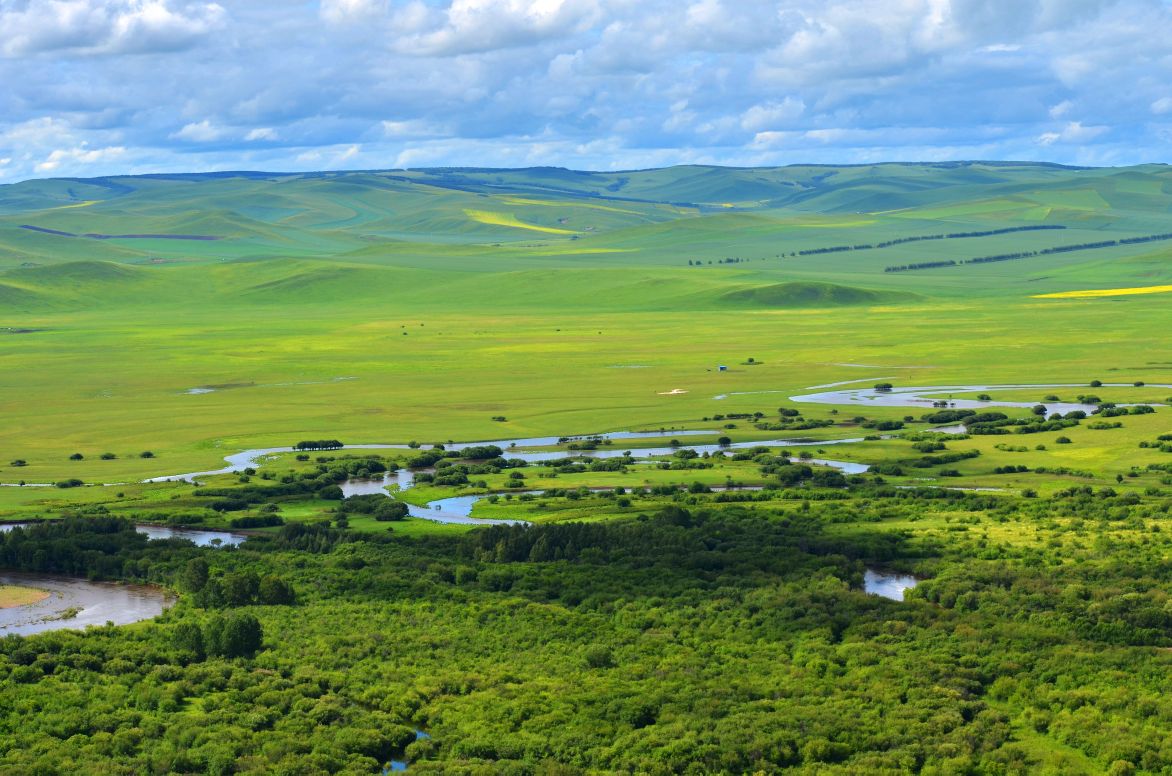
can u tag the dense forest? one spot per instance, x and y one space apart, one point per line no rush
703 637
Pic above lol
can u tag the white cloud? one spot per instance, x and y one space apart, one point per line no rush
772 115
1162 106
261 133
199 132
349 11
105 26
1074 132
79 155
470 26
412 128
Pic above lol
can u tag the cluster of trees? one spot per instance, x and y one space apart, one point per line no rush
319 444
995 423
92 547
322 480
235 635
380 507
726 260
233 588
1163 443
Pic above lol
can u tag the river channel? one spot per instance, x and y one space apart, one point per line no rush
76 603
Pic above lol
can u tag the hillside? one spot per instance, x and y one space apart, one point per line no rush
844 225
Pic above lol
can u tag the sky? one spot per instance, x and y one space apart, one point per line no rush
93 87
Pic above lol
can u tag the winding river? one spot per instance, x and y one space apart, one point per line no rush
76 603
457 510
922 397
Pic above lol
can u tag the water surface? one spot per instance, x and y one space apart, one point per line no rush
888 584
96 603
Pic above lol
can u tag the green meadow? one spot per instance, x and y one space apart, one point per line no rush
392 306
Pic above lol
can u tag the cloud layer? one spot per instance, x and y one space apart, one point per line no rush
90 87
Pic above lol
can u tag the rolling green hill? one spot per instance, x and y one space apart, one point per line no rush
447 297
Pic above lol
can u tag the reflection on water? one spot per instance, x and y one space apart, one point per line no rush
888 585
76 603
401 479
398 766
200 537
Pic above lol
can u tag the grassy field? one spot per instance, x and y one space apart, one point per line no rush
386 307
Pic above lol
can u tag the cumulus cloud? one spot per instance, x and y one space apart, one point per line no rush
196 84
104 26
199 132
79 155
470 26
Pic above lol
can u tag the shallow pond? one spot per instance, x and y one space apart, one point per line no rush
888 584
96 603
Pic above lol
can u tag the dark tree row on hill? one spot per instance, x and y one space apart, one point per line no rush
919 238
1030 254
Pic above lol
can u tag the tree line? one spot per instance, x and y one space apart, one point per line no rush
1030 254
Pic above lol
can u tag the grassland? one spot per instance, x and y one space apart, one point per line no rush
382 307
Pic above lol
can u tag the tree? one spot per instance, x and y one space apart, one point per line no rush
194 576
389 510
240 589
237 635
274 591
188 639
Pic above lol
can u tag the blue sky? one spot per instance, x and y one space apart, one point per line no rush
132 86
